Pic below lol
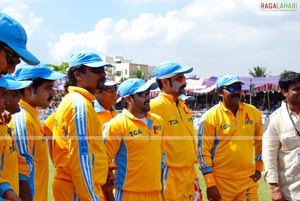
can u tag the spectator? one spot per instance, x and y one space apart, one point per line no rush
281 142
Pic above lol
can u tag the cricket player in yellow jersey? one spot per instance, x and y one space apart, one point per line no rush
227 134
107 96
27 129
134 141
180 154
78 148
9 178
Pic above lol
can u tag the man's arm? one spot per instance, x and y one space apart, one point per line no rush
25 191
270 147
258 146
206 139
22 130
81 162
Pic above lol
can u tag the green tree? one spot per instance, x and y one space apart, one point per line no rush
61 68
139 74
259 72
284 71
122 79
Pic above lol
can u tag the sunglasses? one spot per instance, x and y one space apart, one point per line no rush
143 94
180 79
109 88
233 88
12 60
97 70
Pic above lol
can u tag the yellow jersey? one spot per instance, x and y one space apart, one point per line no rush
226 142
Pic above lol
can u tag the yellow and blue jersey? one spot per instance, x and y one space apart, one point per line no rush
136 148
179 130
103 114
78 148
226 142
8 162
32 150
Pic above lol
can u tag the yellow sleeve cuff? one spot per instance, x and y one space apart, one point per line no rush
209 180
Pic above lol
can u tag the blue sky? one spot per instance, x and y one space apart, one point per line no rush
216 37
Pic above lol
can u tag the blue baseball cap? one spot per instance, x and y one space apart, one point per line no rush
87 58
14 35
169 69
25 72
135 85
226 80
9 83
19 84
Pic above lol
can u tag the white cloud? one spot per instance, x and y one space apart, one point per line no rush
21 12
216 37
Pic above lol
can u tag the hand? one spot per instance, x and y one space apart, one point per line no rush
6 117
277 196
256 176
213 194
108 187
110 181
11 195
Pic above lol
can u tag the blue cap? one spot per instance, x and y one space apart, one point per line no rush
135 85
87 58
19 84
14 35
25 72
12 84
169 69
226 80
109 82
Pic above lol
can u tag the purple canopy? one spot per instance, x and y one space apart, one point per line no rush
259 81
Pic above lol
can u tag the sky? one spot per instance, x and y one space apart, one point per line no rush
215 37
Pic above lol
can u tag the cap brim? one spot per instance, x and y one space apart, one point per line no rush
183 97
234 81
13 84
110 83
147 86
98 64
182 70
25 55
119 99
16 85
54 76
190 98
186 70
